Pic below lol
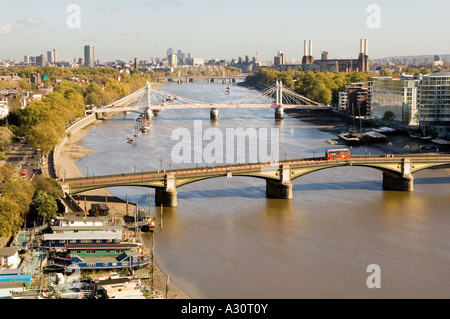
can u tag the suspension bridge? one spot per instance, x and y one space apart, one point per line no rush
275 96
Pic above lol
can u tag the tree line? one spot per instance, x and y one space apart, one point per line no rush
43 123
322 87
23 200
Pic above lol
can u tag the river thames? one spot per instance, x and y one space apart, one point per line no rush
227 240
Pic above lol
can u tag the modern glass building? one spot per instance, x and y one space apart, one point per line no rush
434 99
395 100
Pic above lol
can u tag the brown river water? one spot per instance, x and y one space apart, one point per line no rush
227 240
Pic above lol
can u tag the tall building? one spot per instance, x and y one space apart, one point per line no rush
26 59
280 59
325 55
169 52
40 60
52 56
173 60
55 56
398 96
89 56
434 101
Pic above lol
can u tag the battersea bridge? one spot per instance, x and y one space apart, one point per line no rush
397 173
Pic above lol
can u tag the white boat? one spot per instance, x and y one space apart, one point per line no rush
385 130
443 144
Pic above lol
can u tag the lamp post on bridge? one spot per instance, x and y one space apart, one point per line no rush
161 159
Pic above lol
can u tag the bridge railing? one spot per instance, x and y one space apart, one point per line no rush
244 168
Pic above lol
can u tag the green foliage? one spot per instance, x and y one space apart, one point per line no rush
16 196
6 137
48 185
44 207
321 87
388 116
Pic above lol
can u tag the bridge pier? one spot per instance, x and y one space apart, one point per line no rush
279 113
214 114
281 188
167 195
276 189
403 181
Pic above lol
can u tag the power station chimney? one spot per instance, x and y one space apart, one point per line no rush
310 48
366 47
305 48
361 47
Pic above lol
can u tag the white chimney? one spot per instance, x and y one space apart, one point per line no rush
310 47
366 52
305 48
361 47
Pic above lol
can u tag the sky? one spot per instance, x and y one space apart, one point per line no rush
222 29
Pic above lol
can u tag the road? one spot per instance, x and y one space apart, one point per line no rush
22 156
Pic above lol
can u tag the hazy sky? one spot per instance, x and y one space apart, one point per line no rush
223 29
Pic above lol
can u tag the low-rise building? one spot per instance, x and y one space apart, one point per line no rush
7 288
9 257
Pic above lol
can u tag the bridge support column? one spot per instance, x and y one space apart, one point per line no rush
282 188
403 181
167 195
279 113
214 114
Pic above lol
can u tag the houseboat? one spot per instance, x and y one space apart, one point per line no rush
99 256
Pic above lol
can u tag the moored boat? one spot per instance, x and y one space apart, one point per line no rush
441 143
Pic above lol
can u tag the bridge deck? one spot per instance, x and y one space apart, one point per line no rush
207 106
248 169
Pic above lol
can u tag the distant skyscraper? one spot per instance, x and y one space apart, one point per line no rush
173 59
169 52
55 56
89 56
26 59
325 55
40 60
51 56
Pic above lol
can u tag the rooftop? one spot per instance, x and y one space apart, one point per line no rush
440 74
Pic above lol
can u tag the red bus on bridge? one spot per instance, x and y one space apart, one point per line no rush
336 155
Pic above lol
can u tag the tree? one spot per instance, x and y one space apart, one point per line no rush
44 207
388 116
47 185
6 137
9 217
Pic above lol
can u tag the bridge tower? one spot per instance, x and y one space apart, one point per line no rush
279 111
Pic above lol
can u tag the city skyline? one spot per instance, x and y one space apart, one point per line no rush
221 30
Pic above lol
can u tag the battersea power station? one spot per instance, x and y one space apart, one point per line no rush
361 64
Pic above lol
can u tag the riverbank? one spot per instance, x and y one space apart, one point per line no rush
328 121
64 166
71 152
